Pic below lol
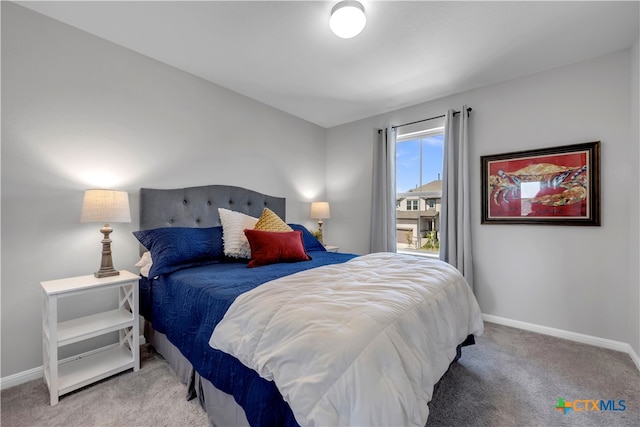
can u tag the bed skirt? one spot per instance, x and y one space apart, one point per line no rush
222 410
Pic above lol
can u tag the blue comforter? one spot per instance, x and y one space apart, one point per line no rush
187 305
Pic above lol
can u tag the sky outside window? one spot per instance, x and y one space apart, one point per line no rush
408 161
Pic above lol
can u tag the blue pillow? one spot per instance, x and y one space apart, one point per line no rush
309 241
174 248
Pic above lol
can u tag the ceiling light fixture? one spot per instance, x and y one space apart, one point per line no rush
347 19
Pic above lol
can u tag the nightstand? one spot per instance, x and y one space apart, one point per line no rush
64 378
332 248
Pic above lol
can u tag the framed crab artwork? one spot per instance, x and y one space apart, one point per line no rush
550 186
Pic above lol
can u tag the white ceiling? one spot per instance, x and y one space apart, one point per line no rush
283 53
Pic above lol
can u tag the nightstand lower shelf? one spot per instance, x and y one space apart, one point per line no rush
81 372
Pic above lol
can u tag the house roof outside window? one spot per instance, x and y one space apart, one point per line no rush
430 213
430 190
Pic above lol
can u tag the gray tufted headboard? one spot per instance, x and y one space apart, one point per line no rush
198 206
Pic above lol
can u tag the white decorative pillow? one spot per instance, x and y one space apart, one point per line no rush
145 263
235 242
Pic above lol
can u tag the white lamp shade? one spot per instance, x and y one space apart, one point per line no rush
320 210
105 206
347 19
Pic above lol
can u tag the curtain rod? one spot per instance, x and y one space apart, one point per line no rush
430 118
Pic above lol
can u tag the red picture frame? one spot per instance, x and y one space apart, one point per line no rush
550 186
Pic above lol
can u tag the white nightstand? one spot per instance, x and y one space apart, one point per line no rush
330 248
64 378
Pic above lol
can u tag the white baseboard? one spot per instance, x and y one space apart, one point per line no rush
634 356
568 335
36 373
21 377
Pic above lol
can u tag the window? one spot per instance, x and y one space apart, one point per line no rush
419 156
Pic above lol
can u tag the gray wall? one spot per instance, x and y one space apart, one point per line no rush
79 112
579 279
634 213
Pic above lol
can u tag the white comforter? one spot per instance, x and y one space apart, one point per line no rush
358 343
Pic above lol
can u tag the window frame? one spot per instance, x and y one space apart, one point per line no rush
414 132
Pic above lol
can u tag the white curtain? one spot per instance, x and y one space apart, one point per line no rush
383 210
455 221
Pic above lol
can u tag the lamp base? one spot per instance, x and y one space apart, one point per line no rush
106 273
320 237
106 264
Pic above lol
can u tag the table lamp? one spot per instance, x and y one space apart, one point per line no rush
320 211
106 206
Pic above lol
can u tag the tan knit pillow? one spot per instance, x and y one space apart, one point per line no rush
270 221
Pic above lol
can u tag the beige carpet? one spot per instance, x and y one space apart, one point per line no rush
514 378
153 396
509 378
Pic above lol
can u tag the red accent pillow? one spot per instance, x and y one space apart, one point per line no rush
271 247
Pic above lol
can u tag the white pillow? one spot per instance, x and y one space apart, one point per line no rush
235 242
145 264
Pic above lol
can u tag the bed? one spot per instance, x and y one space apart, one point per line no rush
237 335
